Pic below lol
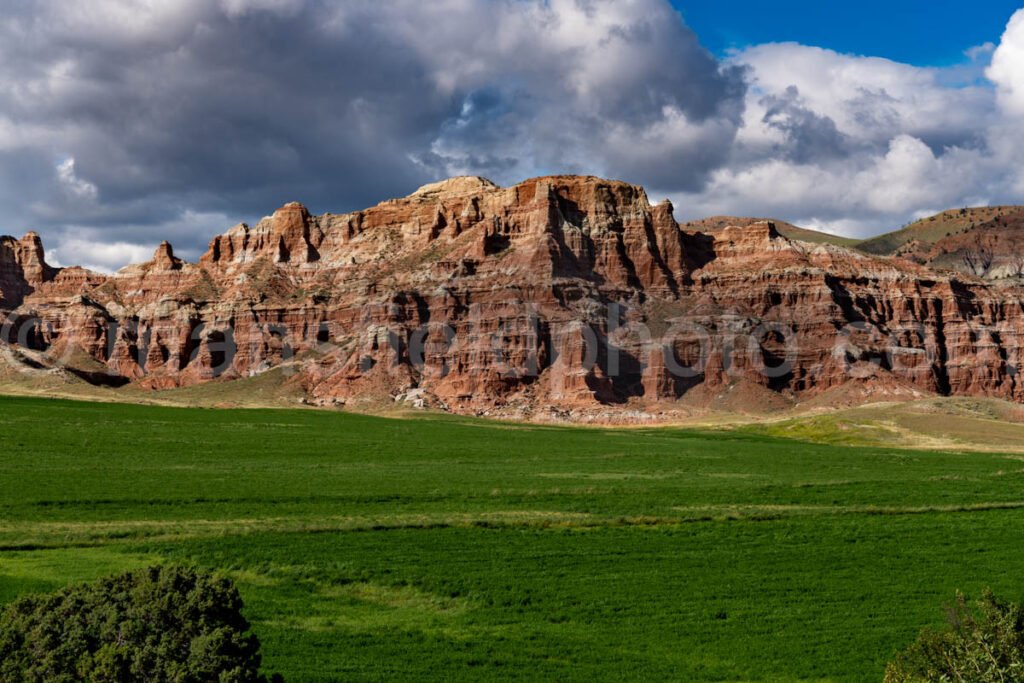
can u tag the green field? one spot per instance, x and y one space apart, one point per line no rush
370 548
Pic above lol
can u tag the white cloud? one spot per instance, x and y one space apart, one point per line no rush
859 145
74 185
869 98
107 249
104 257
562 85
981 52
1007 69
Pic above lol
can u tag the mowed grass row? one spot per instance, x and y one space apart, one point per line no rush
369 548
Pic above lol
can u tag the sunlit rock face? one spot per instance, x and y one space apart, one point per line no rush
566 291
22 268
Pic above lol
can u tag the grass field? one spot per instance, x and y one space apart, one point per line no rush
369 548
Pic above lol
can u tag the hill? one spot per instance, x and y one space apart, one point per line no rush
993 249
934 228
716 223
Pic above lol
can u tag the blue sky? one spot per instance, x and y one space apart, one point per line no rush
919 32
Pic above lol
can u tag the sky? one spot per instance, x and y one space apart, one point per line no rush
125 122
918 32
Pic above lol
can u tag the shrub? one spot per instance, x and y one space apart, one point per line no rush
979 645
159 624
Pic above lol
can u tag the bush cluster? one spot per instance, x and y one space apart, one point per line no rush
981 645
161 624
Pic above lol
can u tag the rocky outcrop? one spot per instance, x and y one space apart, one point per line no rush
23 269
993 249
567 292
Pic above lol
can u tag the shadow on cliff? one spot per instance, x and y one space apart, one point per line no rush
698 249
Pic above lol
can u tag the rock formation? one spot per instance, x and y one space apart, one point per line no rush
993 249
22 269
559 292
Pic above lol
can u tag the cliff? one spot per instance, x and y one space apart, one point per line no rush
560 292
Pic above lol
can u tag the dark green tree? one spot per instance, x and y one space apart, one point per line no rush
161 624
980 645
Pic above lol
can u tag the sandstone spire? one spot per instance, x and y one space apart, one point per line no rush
164 258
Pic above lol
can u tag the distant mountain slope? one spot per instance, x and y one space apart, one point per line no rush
934 228
793 232
993 249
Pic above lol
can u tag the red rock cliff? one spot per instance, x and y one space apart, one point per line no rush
559 291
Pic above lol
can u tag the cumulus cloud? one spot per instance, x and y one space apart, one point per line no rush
621 88
154 109
107 248
123 122
857 145
805 134
104 257
905 180
1007 69
76 186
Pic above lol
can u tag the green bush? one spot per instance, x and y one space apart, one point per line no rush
980 645
160 624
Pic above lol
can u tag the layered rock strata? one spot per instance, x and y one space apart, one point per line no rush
564 291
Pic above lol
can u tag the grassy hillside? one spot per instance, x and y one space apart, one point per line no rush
785 229
933 228
369 548
927 230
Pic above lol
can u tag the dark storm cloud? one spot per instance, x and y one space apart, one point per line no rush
809 136
120 118
229 114
622 88
123 122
